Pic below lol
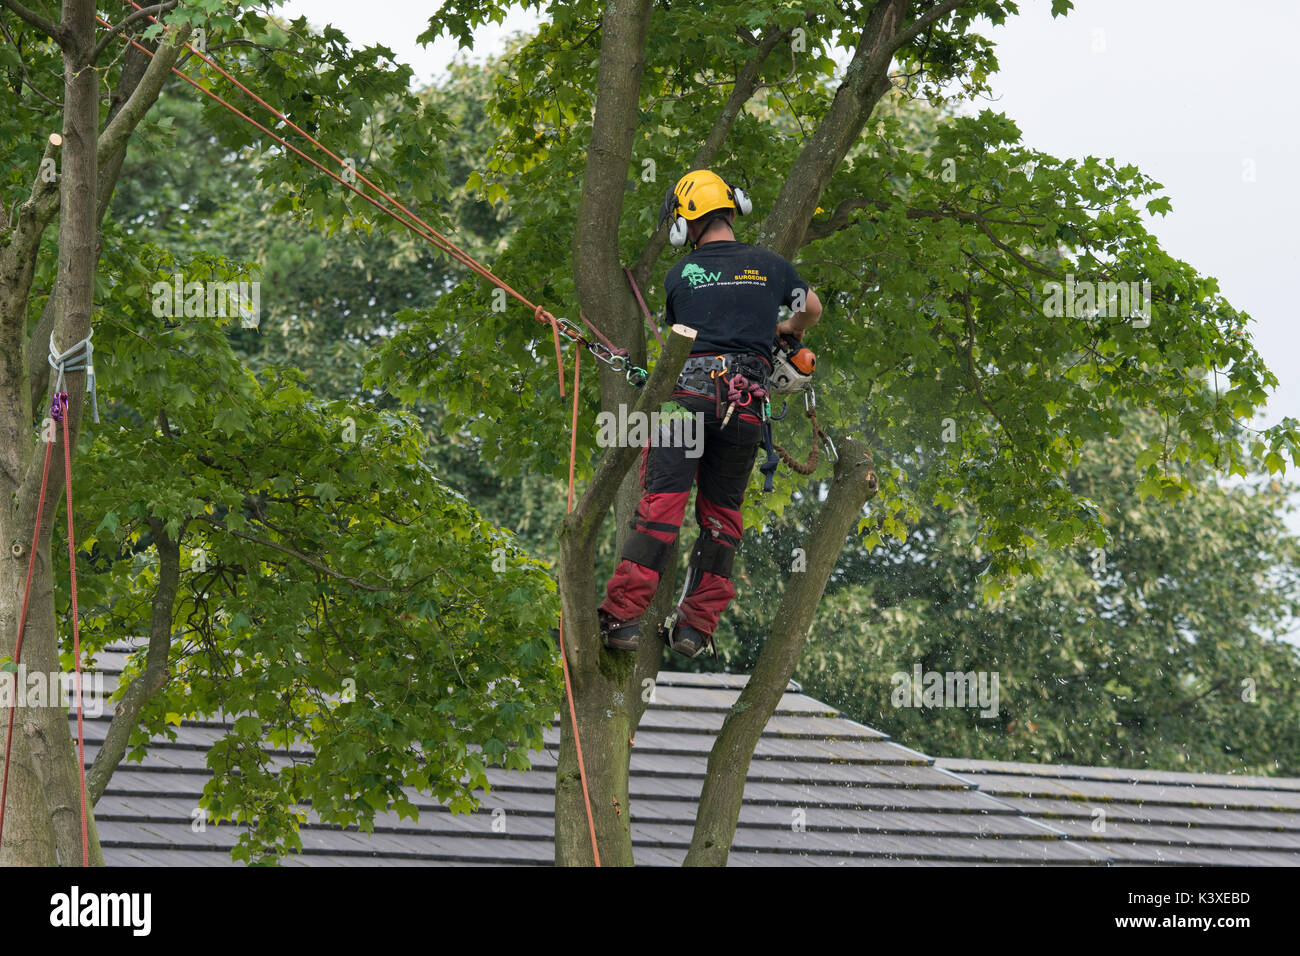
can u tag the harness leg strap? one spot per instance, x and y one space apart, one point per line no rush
647 551
712 556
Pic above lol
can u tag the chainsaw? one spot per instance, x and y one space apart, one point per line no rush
792 366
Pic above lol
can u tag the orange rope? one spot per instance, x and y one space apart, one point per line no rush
425 231
409 219
564 658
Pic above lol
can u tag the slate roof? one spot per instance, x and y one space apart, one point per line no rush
862 800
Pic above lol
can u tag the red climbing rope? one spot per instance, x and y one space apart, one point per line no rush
649 319
427 232
412 222
59 412
564 658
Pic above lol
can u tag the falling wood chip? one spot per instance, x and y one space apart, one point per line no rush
617 809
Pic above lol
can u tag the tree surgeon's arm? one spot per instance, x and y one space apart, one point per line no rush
804 319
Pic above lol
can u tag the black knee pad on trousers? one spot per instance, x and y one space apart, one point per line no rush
647 551
713 556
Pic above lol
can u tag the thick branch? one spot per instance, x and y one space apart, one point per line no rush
865 80
154 676
598 276
724 782
131 19
28 224
122 125
51 29
923 23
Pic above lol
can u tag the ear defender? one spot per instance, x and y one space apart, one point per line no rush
703 194
743 204
667 212
677 232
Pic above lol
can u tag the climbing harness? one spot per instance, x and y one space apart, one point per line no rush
59 413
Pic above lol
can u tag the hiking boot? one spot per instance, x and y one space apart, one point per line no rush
618 635
687 641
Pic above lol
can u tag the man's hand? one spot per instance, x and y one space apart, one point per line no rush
787 328
802 321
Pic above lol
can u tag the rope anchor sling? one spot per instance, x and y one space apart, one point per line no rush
79 358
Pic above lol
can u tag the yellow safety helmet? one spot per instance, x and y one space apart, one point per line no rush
698 193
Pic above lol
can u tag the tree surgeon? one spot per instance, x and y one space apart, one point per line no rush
731 293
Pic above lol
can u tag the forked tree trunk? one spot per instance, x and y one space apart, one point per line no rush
600 677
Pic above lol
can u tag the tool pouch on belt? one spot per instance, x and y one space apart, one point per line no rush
702 373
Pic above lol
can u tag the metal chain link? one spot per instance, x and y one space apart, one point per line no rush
635 375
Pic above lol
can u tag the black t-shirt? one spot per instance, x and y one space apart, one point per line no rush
730 293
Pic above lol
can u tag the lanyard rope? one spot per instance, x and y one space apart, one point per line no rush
58 411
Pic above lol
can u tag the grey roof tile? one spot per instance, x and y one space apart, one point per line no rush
860 800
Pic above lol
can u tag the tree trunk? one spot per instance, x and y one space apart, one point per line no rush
724 781
600 678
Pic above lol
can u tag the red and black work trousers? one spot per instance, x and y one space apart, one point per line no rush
720 472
